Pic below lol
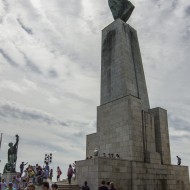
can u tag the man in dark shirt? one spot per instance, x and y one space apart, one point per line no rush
103 186
85 187
22 168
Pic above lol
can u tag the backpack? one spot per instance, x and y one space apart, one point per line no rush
70 172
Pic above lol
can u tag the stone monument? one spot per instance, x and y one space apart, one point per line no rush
10 166
126 126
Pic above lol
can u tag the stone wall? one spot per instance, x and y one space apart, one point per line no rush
129 175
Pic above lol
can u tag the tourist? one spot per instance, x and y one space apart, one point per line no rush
10 186
45 186
15 183
54 186
178 160
39 176
31 186
70 174
85 187
117 156
103 186
108 184
59 172
22 168
74 169
112 186
51 174
46 170
3 184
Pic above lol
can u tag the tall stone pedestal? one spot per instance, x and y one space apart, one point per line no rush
8 176
127 126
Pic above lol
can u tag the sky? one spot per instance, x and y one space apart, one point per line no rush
50 59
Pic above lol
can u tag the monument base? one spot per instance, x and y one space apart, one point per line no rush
131 175
9 176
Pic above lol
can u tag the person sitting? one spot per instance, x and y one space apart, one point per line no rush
117 156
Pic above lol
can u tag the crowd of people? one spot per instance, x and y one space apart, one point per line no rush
107 186
35 175
29 186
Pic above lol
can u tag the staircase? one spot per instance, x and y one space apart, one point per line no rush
68 187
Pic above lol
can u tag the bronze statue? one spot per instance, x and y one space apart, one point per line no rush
121 9
12 156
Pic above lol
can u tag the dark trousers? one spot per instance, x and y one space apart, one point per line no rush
69 179
21 172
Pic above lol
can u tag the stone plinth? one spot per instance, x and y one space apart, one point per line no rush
122 128
8 176
130 175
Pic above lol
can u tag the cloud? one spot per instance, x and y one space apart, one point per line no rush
50 66
14 111
52 73
27 30
187 11
8 58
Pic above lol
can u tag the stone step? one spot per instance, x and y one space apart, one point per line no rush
68 187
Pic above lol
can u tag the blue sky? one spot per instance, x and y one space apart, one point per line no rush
50 73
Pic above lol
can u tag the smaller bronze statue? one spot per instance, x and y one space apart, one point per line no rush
121 9
12 156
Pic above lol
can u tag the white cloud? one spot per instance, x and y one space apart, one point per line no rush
50 66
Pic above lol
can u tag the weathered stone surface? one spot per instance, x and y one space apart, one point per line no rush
127 126
162 134
8 176
122 72
130 175
121 9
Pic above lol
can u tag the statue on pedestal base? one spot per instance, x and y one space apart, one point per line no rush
10 167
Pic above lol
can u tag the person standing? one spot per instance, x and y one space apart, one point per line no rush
103 186
112 186
59 172
31 187
10 186
22 168
54 186
85 187
3 184
70 174
51 174
45 186
47 170
178 160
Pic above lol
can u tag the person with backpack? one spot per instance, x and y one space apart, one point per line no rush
70 174
85 187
